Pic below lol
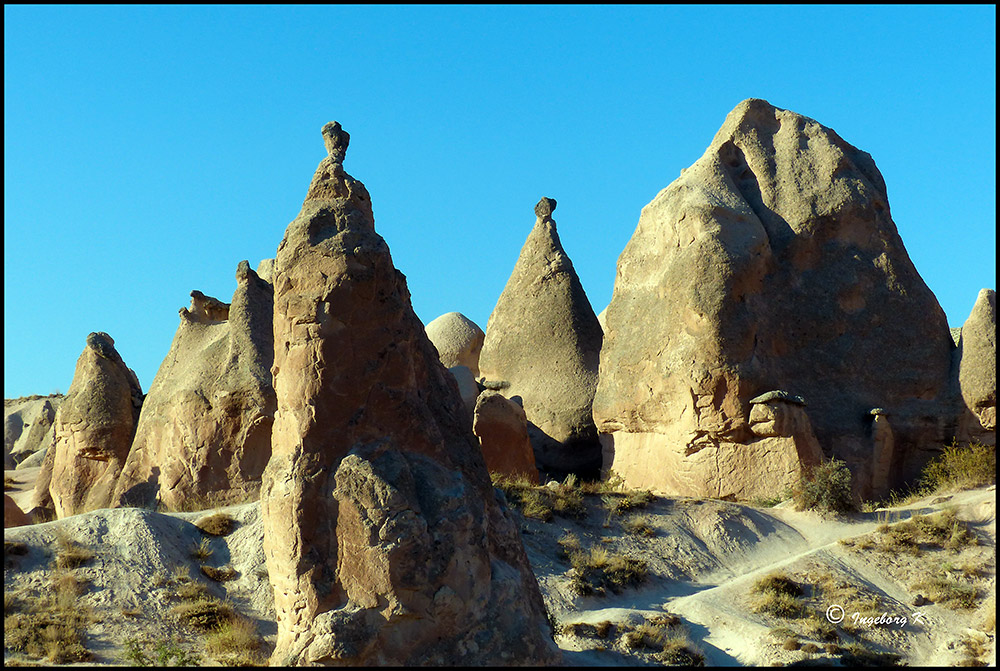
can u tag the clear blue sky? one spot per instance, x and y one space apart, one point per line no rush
147 150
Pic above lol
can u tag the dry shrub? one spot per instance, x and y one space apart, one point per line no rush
218 524
223 574
599 570
70 553
192 591
205 614
51 626
542 502
236 643
639 526
791 643
947 591
826 487
960 467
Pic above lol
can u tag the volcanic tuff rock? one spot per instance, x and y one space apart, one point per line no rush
384 539
502 429
28 426
205 429
94 427
977 377
13 516
458 340
772 262
544 341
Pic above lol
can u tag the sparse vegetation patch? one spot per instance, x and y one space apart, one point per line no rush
826 488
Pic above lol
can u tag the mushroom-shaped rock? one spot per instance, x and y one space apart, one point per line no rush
93 432
384 540
458 340
774 257
205 429
502 429
543 339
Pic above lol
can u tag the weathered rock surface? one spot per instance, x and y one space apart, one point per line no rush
13 516
205 429
458 340
28 426
543 339
468 388
94 428
502 429
771 263
977 376
384 539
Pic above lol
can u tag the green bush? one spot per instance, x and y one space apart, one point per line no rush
826 488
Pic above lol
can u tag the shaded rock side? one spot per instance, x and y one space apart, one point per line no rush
28 426
205 430
94 428
543 341
457 339
977 370
502 429
384 539
771 263
13 516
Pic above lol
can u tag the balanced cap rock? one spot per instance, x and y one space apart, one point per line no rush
771 263
93 432
543 341
384 540
205 429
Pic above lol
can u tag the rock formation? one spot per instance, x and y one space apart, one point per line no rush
384 539
458 340
28 426
771 263
13 516
468 388
977 370
205 429
502 429
543 345
94 428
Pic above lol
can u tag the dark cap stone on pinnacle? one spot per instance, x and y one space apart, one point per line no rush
336 140
545 208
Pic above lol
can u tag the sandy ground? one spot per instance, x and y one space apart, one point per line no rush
702 559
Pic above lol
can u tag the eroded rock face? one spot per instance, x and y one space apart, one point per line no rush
458 340
28 426
771 263
13 516
502 429
94 428
543 343
385 542
205 429
977 376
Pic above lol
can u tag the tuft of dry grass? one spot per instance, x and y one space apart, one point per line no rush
947 591
70 554
223 574
542 502
598 570
201 551
639 526
217 524
777 594
205 614
236 643
50 626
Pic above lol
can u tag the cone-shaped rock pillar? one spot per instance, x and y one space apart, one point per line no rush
543 344
384 540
